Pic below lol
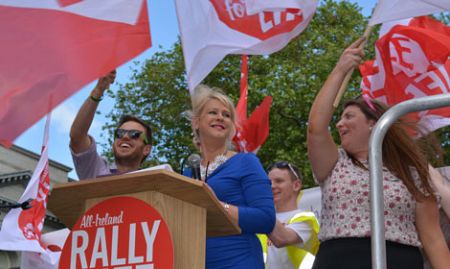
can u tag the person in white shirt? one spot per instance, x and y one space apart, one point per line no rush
286 246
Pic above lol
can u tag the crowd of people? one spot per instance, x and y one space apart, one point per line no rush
275 233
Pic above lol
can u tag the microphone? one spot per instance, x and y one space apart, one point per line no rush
25 205
194 163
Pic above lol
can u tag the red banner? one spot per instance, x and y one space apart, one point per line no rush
251 133
49 50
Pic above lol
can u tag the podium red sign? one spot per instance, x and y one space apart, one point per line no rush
121 232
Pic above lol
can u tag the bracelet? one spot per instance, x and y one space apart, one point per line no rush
95 99
226 206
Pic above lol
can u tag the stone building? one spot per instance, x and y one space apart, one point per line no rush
16 168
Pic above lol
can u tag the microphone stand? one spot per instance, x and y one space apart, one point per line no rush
182 165
25 205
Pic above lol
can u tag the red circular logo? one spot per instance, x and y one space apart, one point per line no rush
263 25
121 232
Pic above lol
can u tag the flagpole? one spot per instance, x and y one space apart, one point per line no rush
346 80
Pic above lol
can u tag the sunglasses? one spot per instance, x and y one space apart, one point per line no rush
283 165
133 134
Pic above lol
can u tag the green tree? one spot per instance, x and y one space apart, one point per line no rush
158 91
443 134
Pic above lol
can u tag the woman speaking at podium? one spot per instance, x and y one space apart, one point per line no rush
238 180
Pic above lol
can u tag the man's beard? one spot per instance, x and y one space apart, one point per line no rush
129 160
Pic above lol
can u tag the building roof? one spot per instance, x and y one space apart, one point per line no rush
15 176
37 156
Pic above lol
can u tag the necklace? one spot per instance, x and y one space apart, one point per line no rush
211 166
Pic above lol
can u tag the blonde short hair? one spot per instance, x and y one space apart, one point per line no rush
202 94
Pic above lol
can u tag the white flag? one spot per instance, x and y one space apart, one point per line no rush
256 6
54 243
389 10
212 29
21 229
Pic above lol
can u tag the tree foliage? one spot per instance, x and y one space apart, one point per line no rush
158 93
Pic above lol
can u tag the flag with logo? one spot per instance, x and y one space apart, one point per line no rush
251 133
49 49
390 10
21 229
412 60
212 29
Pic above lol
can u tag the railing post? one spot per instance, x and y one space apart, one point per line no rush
375 165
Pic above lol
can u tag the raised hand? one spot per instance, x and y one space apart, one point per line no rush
104 83
351 57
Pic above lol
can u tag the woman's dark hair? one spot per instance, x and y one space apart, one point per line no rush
400 151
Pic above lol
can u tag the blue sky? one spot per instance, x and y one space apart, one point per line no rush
164 31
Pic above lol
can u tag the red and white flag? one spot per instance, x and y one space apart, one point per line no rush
251 133
54 243
49 49
412 60
390 10
212 29
21 229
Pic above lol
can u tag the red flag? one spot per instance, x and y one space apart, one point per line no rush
255 130
51 49
411 61
251 133
241 107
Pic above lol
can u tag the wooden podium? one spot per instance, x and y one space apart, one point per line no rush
188 206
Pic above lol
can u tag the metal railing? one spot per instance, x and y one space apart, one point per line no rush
375 163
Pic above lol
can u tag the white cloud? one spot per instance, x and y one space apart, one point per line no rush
63 116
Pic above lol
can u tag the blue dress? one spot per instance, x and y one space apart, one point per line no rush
241 181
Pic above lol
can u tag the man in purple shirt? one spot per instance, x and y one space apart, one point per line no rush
132 139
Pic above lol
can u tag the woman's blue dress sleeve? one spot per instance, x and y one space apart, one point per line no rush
259 214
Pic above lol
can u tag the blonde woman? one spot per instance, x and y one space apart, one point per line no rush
238 180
